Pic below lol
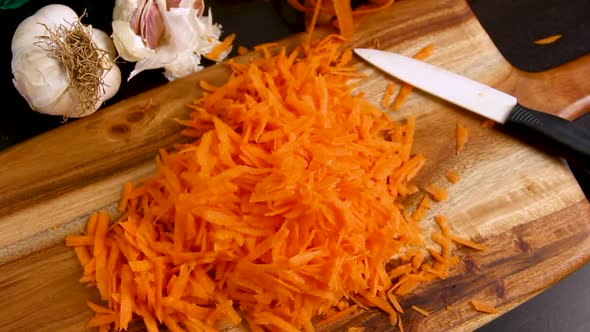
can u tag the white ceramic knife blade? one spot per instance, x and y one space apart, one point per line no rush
459 90
548 132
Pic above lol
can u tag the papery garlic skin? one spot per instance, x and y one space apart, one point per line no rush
129 45
112 75
30 69
187 35
41 79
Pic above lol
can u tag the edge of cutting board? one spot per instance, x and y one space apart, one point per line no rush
50 183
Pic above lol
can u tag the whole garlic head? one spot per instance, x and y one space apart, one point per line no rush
169 34
42 79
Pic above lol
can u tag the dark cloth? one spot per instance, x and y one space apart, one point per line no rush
514 25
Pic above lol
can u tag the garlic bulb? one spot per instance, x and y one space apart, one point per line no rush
169 34
62 67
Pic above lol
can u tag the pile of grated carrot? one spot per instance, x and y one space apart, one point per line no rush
281 214
284 210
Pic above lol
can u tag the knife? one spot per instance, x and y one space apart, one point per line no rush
548 132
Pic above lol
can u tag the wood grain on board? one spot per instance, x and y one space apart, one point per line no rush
525 205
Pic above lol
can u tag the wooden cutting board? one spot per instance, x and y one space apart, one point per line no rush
525 205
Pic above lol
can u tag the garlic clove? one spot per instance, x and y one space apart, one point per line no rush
169 34
135 19
151 25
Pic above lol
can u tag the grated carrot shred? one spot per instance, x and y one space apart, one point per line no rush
343 11
488 123
438 193
220 49
401 96
468 243
242 50
412 188
356 329
442 223
453 177
420 311
376 44
422 208
462 135
345 18
425 52
548 40
82 254
406 89
484 307
80 240
387 95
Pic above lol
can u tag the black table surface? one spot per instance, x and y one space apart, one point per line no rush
564 306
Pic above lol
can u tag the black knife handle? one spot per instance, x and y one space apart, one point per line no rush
551 133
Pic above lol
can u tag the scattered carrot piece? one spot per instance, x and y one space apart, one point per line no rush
438 193
343 11
401 96
387 95
483 307
488 123
449 308
462 136
420 310
422 208
265 46
400 325
437 257
442 223
453 177
220 49
406 88
468 243
407 287
412 188
424 52
376 44
548 40
242 50
355 329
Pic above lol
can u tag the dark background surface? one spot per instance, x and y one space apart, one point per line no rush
514 25
563 307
